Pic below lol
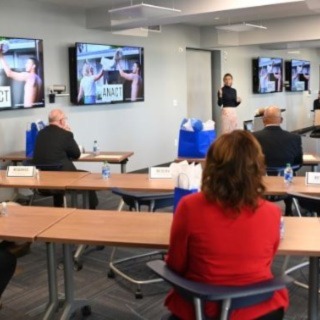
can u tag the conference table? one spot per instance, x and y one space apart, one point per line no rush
311 160
113 228
24 223
113 157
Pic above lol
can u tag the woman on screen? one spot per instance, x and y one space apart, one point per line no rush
227 234
228 99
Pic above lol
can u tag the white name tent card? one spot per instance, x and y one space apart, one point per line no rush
21 171
160 173
313 178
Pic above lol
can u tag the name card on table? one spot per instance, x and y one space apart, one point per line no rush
313 178
21 171
160 173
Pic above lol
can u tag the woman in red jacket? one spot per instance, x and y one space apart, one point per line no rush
227 234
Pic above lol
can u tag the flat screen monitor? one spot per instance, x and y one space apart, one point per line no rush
267 75
106 74
300 75
21 73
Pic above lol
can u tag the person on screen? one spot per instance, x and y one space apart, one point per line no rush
87 88
263 80
228 100
219 235
135 78
33 83
300 74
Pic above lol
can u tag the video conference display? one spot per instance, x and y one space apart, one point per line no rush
267 75
21 73
108 74
300 75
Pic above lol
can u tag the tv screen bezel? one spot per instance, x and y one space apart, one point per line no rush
42 76
74 78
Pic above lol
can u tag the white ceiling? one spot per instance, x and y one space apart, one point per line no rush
194 13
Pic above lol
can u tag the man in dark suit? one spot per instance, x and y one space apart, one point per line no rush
55 145
316 103
279 146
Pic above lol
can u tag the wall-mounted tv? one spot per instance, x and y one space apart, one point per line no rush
102 74
267 75
298 75
21 73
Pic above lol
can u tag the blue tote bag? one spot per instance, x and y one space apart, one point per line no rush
31 136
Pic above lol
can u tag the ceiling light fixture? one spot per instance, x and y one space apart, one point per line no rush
241 27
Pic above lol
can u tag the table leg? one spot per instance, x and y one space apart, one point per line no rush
313 288
74 199
123 165
71 305
52 281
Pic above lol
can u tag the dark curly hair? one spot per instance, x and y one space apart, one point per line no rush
233 172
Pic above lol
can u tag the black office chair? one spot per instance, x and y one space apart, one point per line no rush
45 193
305 206
230 297
135 200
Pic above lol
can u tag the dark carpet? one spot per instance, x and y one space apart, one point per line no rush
110 299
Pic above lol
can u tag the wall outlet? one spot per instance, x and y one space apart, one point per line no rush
175 142
175 102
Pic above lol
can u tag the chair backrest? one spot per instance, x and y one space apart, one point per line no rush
230 296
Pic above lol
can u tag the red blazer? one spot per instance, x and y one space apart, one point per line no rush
210 247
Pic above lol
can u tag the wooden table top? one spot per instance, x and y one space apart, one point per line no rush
308 159
112 156
152 230
302 237
24 223
137 182
129 229
47 180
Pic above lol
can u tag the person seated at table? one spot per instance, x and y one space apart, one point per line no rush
55 144
279 146
227 234
8 264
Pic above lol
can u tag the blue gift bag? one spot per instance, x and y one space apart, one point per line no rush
31 135
195 144
179 193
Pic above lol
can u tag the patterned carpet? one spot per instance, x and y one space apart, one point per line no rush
110 299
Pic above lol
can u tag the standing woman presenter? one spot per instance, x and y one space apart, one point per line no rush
228 100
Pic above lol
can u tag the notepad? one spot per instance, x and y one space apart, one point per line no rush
110 157
309 157
84 155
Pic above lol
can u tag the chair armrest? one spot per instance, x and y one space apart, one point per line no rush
215 293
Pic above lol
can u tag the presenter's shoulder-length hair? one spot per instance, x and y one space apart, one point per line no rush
233 172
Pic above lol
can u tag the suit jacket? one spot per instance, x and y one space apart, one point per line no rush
279 146
55 145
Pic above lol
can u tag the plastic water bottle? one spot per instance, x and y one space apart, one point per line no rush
95 148
106 170
288 174
282 228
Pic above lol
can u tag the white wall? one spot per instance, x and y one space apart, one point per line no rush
148 128
237 60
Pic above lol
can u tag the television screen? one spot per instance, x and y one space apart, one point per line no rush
300 75
107 74
267 75
21 73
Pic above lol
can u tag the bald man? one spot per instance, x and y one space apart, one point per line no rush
279 146
55 145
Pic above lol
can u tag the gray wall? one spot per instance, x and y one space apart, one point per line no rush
148 128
